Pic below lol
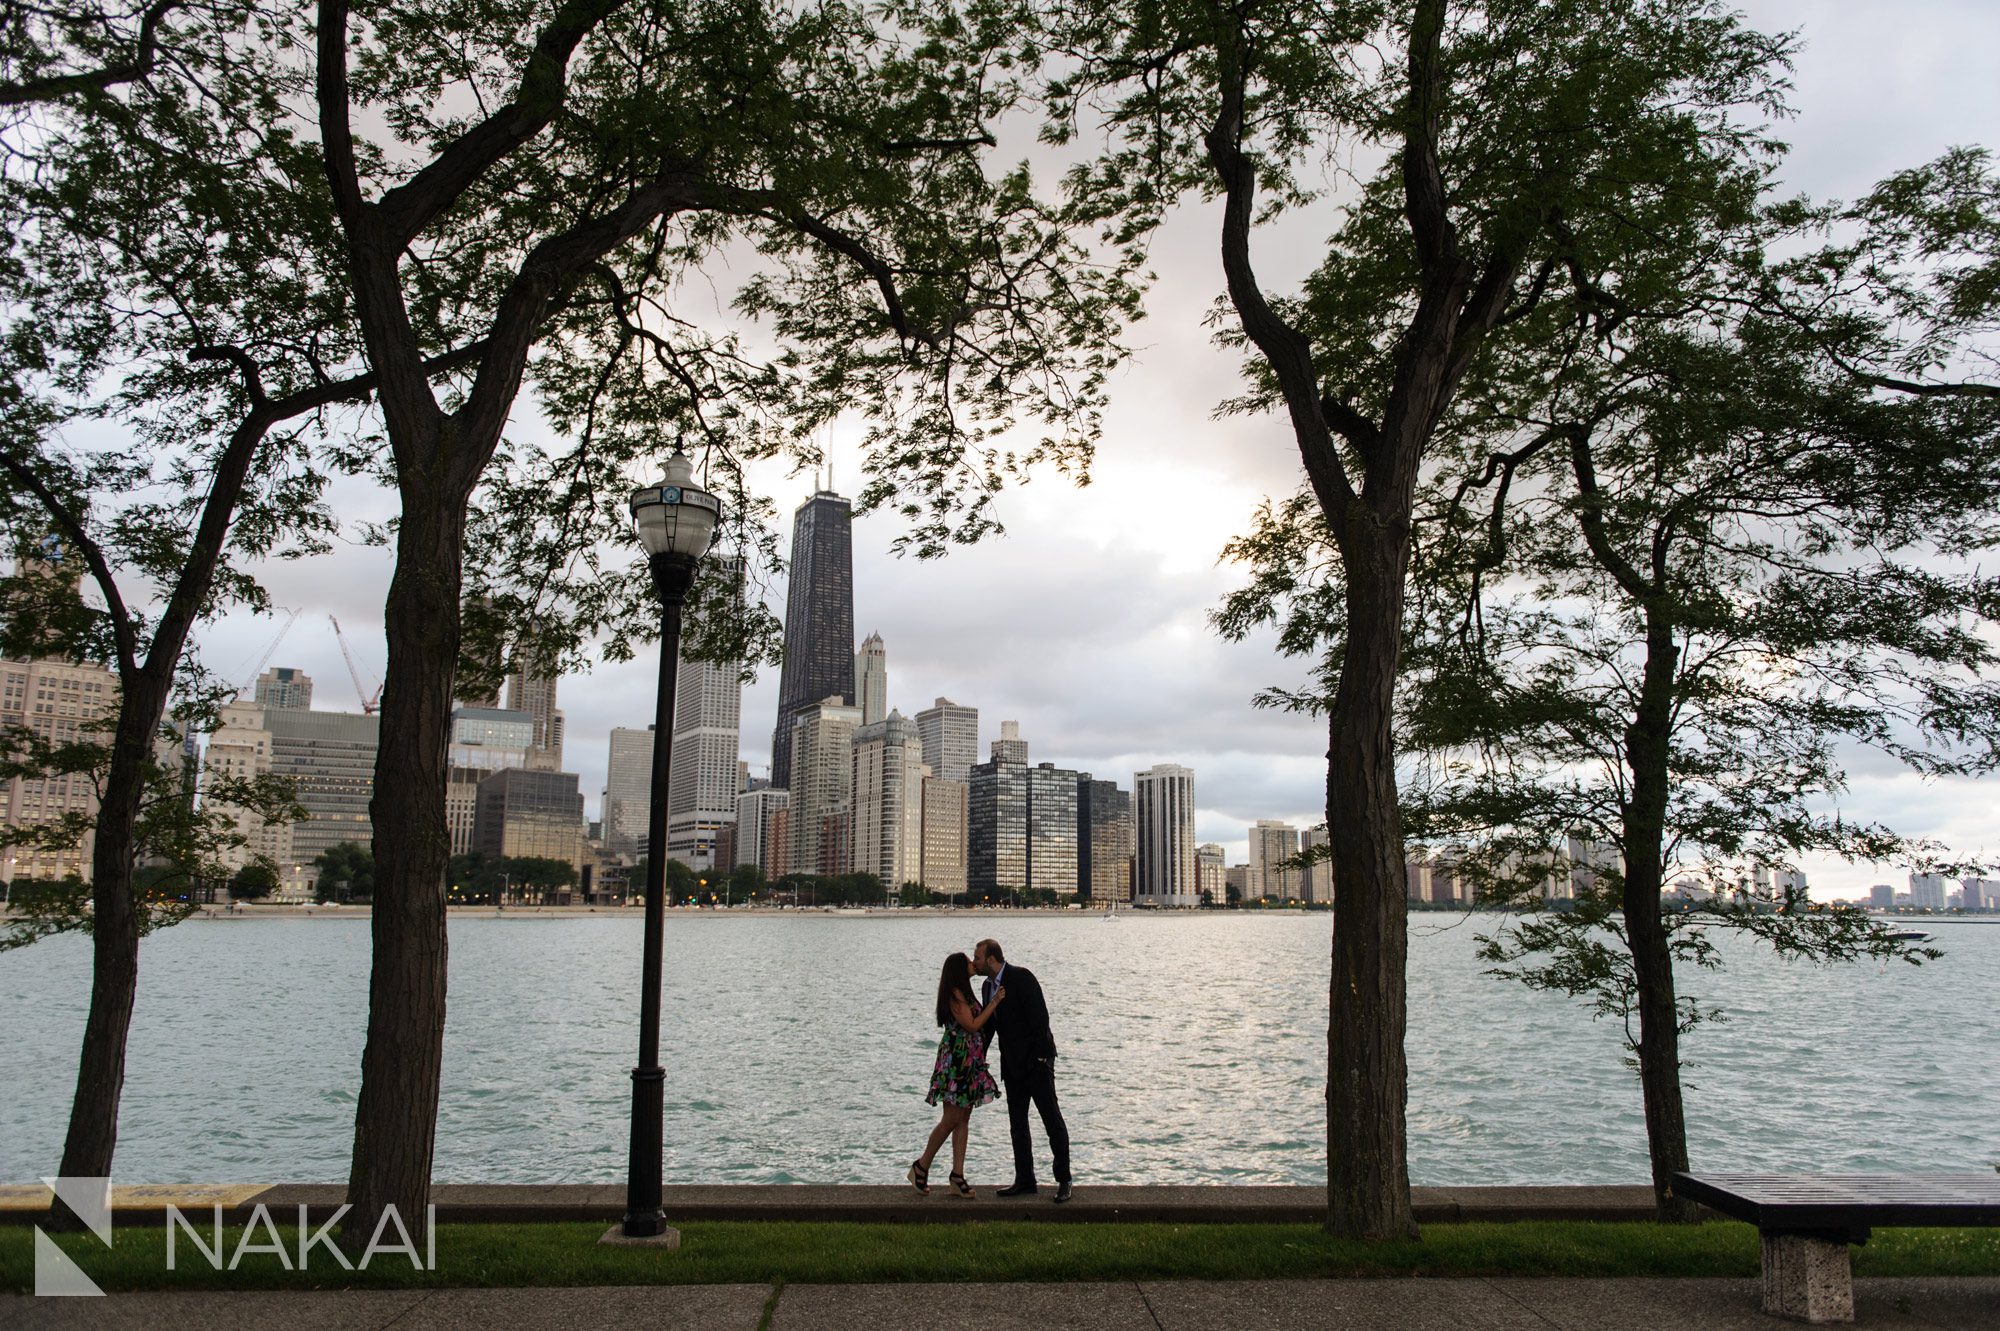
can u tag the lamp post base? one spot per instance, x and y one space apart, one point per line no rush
668 1238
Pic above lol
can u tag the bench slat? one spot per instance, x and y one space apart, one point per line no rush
1803 1203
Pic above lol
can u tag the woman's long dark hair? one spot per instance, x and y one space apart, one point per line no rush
955 978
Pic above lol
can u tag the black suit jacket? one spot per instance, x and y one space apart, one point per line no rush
1020 1025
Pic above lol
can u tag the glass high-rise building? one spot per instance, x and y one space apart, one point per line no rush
819 621
628 790
702 769
1052 829
1103 840
1022 828
996 860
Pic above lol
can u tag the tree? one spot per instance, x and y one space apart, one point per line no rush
1710 552
1506 127
254 881
680 881
346 873
616 150
124 158
747 881
475 878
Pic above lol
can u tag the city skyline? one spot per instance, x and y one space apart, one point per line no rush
1092 592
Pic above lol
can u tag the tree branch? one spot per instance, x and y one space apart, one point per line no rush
145 54
549 269
1590 515
408 404
1423 181
93 555
411 206
1283 347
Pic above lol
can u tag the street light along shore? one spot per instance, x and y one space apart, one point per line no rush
676 523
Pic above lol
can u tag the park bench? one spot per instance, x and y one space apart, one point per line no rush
1807 1222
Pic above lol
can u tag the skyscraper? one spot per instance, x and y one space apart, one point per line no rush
61 700
944 832
819 622
484 740
529 814
822 753
951 739
331 755
701 776
282 686
996 846
1163 817
628 790
1318 879
240 748
1271 843
536 695
1022 828
1103 840
1211 873
871 679
760 836
64 703
1052 829
887 839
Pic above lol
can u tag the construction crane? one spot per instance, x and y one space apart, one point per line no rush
251 681
371 703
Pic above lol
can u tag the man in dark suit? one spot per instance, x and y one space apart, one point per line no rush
1020 1027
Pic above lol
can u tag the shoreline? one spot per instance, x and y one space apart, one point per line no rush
335 911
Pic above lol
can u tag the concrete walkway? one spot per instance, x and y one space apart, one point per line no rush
1198 1204
1276 1305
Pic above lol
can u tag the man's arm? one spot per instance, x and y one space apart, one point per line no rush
1035 1020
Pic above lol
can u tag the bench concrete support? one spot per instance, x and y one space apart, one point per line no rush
1808 1277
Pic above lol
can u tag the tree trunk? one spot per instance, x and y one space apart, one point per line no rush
395 1120
1368 1177
1644 818
114 981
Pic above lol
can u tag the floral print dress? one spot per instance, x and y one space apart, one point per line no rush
960 1076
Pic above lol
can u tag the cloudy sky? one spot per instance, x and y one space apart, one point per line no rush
1086 622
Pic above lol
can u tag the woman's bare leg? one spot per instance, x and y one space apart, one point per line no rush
959 1134
938 1134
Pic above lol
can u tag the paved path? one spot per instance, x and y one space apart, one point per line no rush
1248 1305
1151 1306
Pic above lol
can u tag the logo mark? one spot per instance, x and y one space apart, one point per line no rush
56 1273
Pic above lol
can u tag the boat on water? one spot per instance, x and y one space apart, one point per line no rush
1902 934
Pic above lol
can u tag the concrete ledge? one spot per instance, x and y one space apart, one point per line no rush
605 1202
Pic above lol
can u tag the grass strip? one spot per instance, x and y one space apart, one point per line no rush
777 1253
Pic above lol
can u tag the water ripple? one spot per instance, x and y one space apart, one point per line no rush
799 1050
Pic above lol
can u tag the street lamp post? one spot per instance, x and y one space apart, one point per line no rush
676 522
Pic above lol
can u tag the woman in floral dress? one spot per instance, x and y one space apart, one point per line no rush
960 1080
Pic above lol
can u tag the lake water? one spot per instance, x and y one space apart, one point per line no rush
799 1049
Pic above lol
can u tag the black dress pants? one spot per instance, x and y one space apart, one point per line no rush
1037 1082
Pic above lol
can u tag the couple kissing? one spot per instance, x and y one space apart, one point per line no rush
1012 1011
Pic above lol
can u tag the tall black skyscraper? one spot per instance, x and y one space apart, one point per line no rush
819 620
